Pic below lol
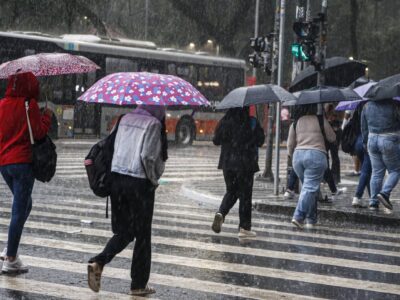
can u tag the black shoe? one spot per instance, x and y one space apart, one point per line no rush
217 224
385 201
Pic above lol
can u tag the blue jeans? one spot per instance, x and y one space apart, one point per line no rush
384 151
310 166
366 168
20 180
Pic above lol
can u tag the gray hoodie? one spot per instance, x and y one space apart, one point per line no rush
137 148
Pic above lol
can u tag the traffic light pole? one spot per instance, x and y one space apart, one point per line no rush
322 43
268 175
278 104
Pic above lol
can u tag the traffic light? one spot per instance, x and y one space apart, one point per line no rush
304 49
262 53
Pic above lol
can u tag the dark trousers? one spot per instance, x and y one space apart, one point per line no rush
132 204
239 185
334 154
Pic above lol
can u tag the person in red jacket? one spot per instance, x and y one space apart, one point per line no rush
16 156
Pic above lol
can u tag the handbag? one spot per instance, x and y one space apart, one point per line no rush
44 155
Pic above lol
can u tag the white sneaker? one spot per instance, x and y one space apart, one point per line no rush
339 192
357 202
288 195
311 226
246 233
14 267
297 223
3 254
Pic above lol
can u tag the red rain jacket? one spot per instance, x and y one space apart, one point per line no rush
15 145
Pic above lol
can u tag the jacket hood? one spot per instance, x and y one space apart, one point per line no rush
157 111
23 85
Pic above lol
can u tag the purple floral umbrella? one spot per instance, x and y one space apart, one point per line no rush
47 64
142 88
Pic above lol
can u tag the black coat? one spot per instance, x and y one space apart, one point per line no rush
239 143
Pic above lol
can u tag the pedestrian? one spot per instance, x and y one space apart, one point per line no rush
348 114
16 156
366 169
306 145
333 148
239 142
140 153
380 125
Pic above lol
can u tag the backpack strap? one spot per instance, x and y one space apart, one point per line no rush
27 100
322 127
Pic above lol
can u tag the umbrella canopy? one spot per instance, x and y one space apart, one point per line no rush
359 82
386 88
142 88
47 64
339 71
325 94
361 90
255 94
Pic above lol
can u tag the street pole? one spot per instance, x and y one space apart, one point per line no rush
278 104
146 19
322 43
256 17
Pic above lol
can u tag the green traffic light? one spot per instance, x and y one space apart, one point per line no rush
299 53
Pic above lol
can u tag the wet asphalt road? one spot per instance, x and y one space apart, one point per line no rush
67 226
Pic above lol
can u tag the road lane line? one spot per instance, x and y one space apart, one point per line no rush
187 243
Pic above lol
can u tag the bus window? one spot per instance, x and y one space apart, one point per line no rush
114 65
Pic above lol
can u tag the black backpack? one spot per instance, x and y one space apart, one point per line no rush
349 135
98 164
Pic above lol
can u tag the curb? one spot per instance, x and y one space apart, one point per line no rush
332 215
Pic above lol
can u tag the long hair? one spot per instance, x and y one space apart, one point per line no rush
164 141
305 110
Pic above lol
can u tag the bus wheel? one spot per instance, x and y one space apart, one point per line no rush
185 132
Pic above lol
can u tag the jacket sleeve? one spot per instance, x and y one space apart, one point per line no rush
259 135
291 141
329 133
364 126
40 123
151 153
219 133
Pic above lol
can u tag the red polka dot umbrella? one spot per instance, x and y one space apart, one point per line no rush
47 64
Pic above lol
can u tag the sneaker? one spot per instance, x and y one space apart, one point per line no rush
15 267
289 194
385 201
217 224
3 254
297 223
373 207
94 276
357 202
141 292
354 173
339 192
243 233
311 226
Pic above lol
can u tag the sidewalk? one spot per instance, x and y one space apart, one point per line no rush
210 192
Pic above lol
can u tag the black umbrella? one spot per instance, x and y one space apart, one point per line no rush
324 94
339 71
255 94
359 82
386 88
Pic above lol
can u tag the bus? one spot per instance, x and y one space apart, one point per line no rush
213 76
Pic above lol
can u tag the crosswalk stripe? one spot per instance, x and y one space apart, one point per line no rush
213 265
182 214
168 280
58 290
187 243
317 244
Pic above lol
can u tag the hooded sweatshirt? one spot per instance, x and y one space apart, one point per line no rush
15 145
137 147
